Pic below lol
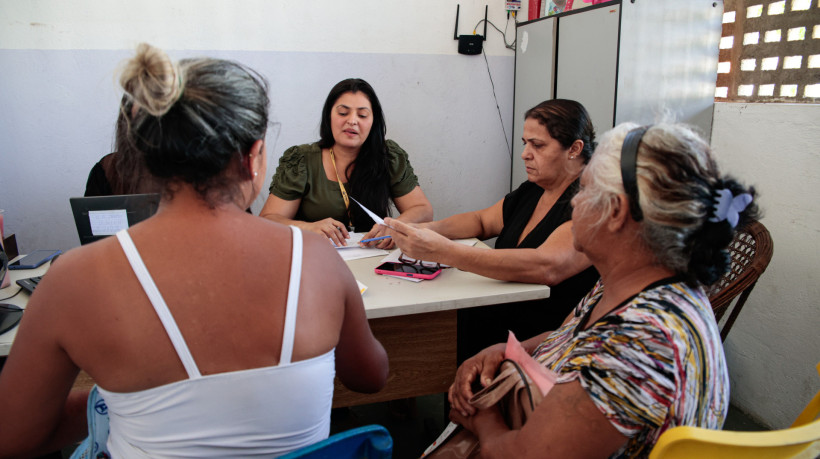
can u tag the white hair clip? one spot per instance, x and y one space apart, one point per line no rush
729 207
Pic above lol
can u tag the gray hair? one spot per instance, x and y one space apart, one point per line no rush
196 120
677 180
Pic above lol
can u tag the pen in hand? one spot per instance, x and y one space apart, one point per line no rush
373 239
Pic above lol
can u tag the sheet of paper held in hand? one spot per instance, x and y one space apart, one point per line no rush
375 217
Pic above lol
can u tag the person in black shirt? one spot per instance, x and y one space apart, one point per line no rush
534 229
123 171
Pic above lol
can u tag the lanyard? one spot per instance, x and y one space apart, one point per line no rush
341 187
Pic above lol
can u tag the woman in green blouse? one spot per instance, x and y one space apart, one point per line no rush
313 184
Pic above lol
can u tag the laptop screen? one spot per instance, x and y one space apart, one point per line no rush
98 217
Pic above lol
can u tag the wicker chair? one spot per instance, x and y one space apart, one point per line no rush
751 250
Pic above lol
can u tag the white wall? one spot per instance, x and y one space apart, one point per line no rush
59 94
774 346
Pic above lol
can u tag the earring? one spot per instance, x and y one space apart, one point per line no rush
572 157
255 174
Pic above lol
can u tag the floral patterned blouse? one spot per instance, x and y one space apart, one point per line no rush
653 363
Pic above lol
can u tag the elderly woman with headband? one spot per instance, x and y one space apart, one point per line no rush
641 353
533 225
197 351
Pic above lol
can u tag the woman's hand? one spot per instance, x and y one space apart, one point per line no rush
483 365
417 242
378 231
281 211
332 229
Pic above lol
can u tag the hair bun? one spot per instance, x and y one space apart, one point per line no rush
710 257
152 80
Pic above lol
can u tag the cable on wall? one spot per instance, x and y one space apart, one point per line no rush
503 33
500 118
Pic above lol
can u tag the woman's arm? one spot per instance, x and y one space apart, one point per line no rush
361 361
282 211
565 424
38 411
552 262
481 224
414 207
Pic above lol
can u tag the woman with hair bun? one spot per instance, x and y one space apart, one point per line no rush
188 321
641 353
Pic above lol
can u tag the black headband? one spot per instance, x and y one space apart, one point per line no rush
629 169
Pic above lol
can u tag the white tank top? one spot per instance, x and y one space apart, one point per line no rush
250 413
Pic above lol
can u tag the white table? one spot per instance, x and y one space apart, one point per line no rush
388 296
417 325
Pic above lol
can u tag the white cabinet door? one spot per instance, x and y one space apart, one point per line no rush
534 80
588 62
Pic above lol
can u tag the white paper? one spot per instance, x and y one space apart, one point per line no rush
375 217
397 276
451 427
354 253
352 241
107 222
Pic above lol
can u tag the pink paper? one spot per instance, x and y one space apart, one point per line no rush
544 379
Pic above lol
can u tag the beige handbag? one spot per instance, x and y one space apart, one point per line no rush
514 392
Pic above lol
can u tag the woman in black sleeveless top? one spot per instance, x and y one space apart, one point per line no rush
533 225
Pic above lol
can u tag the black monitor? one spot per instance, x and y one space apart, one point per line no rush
98 217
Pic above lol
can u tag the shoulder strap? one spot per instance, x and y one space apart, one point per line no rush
289 332
159 304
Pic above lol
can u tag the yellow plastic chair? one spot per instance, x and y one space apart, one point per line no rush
801 440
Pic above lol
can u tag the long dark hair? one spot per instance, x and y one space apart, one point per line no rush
369 179
125 169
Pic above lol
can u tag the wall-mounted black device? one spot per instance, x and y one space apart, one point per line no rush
470 44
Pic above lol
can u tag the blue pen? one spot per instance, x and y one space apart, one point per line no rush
373 239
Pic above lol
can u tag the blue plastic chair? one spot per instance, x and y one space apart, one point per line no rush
368 442
95 444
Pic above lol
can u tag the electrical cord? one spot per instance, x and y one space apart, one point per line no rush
503 33
508 46
500 118
10 297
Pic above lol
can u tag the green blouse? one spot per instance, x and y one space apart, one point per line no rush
300 175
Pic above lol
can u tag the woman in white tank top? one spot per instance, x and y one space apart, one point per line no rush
209 331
